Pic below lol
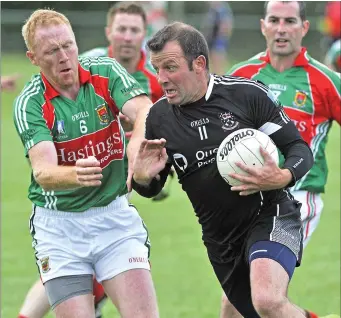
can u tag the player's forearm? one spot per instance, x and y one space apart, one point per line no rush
51 177
298 160
138 132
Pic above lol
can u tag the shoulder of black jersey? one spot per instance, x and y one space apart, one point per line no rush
240 83
160 106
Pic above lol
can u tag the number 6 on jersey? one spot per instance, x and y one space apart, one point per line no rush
82 126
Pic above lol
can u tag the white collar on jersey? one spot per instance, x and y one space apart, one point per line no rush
210 87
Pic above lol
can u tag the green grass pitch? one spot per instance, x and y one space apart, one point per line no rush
185 284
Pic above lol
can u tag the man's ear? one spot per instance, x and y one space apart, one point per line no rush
31 57
107 33
199 64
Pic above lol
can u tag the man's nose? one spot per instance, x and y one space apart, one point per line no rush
162 77
63 57
128 36
281 28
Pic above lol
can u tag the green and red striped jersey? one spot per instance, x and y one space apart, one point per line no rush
87 126
144 74
310 94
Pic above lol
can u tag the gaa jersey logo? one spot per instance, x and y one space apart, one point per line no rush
300 98
228 121
103 114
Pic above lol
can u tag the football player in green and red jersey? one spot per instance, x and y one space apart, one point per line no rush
125 31
82 224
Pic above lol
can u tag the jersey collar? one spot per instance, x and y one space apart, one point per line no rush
141 63
301 59
50 92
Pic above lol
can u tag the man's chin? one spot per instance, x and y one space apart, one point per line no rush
282 52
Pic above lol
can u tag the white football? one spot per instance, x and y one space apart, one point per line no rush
243 145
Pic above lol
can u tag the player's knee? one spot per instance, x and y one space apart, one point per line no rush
266 302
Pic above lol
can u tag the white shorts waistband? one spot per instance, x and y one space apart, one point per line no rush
119 203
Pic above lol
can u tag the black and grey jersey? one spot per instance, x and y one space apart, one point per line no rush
194 132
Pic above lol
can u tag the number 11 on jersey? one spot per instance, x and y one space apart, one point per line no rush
202 132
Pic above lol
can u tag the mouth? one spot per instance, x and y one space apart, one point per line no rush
170 93
65 70
281 41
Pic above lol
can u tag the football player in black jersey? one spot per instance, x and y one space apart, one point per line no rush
252 232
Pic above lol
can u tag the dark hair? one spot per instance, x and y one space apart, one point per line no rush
301 8
126 7
191 41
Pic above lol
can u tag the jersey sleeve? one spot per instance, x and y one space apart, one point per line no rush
29 122
122 85
333 98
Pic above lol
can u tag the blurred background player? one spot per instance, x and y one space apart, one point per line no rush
330 25
218 30
310 94
333 56
157 17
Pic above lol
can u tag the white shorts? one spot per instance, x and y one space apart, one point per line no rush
104 241
311 210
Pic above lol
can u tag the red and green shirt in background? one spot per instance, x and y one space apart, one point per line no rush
310 94
144 73
87 126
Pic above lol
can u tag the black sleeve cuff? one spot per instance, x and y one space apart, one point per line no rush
293 180
147 191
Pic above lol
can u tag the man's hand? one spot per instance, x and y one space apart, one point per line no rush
8 83
89 172
150 160
269 177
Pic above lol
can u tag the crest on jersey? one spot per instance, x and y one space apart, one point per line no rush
45 264
102 113
300 99
60 127
228 121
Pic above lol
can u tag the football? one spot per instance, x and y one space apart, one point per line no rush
243 145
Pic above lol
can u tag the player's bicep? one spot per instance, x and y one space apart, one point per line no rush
122 85
136 106
43 155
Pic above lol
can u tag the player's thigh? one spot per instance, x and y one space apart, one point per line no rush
280 223
71 296
122 243
271 267
274 248
133 294
78 306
